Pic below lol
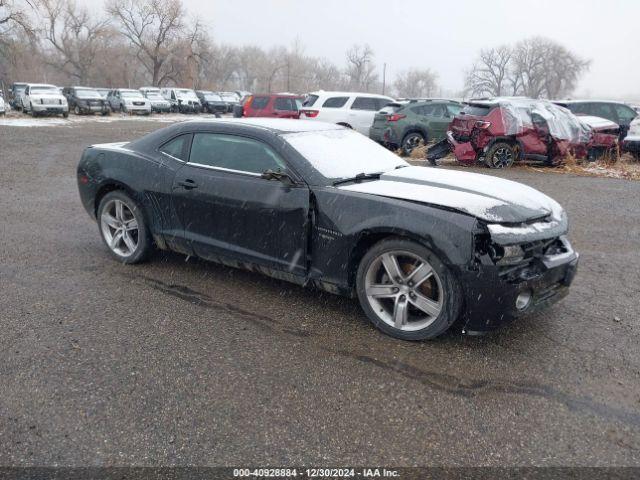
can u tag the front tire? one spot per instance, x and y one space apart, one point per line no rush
500 155
406 291
76 110
123 228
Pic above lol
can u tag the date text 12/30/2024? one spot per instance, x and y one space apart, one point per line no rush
315 472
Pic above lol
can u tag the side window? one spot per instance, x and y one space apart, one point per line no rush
335 102
423 110
259 103
284 103
439 111
625 114
602 110
173 95
365 103
583 108
26 91
310 100
177 147
233 152
381 103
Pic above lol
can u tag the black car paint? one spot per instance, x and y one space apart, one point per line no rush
307 232
84 104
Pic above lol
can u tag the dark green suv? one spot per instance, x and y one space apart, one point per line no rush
406 125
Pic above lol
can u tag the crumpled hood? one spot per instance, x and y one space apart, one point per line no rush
494 200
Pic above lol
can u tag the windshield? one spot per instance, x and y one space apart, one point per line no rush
343 153
131 95
212 97
186 94
154 96
87 93
229 96
44 90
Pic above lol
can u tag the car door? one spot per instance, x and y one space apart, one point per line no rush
439 121
228 210
285 107
361 113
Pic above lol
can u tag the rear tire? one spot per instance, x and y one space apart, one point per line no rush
500 155
411 141
421 302
123 228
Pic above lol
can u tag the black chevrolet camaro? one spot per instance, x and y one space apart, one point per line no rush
321 205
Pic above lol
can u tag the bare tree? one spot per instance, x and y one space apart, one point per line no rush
535 67
360 68
490 74
14 18
154 27
416 83
75 36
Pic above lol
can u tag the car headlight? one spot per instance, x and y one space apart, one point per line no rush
508 255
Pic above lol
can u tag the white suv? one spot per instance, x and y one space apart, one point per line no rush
40 98
351 109
3 108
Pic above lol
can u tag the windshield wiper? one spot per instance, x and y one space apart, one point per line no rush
359 177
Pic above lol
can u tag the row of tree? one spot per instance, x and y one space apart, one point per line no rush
154 42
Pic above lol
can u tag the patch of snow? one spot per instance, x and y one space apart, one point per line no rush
597 122
73 120
341 152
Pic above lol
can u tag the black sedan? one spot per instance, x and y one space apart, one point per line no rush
321 205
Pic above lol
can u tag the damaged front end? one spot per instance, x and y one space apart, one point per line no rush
517 270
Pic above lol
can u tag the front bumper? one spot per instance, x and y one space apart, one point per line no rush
50 108
491 293
161 107
93 108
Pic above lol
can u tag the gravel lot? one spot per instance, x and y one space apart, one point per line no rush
180 362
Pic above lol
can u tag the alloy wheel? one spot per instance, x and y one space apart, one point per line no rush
119 228
411 142
404 290
502 158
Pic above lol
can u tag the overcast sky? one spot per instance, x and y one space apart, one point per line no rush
443 35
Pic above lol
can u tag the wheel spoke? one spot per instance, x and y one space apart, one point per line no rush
400 313
131 245
110 220
390 263
119 210
426 305
131 225
420 274
381 291
116 239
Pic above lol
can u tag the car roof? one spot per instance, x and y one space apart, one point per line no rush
347 94
574 101
127 90
41 85
275 125
281 95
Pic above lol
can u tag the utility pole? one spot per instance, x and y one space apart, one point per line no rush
384 76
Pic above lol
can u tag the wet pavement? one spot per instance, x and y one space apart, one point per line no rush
187 362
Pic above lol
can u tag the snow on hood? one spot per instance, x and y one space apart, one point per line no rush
598 123
494 200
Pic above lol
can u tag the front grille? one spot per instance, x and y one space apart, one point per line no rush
138 104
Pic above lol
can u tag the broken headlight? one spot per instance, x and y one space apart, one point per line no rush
507 255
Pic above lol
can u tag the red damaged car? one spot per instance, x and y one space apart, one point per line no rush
500 131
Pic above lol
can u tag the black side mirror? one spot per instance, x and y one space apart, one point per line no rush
280 176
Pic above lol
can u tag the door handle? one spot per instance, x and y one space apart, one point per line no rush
188 184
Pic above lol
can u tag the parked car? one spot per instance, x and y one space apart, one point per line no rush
127 100
238 110
422 249
16 92
414 123
242 94
500 131
617 112
158 102
350 109
631 142
231 98
272 105
84 100
3 108
183 100
212 102
44 99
